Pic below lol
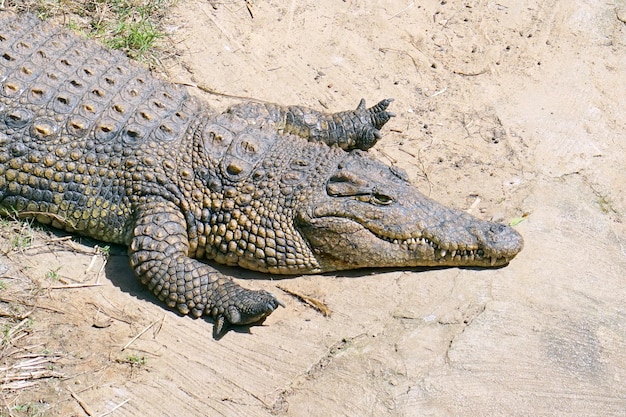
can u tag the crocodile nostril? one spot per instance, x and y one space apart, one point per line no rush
497 228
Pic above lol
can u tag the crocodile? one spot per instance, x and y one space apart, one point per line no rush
93 144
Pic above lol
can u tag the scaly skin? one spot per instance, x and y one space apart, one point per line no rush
93 144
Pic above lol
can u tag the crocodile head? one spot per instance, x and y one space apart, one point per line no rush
369 215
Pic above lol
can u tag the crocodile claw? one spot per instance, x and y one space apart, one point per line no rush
373 120
249 307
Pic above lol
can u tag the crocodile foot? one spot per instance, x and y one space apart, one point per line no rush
245 307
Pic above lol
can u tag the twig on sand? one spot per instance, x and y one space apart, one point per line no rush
82 403
313 302
148 327
87 409
25 373
114 408
77 285
474 205
48 242
403 10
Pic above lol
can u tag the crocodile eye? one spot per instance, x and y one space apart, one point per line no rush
381 199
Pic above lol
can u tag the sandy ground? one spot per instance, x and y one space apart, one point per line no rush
506 109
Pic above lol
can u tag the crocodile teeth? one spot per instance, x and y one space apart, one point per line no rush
453 254
442 253
493 260
412 243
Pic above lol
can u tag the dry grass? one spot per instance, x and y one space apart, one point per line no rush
29 361
23 362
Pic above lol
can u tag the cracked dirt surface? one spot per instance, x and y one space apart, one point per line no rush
510 109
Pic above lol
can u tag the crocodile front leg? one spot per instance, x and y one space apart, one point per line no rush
158 256
352 129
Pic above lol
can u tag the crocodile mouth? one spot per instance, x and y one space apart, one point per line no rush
442 254
358 241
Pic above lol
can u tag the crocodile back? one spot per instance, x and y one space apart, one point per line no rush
80 126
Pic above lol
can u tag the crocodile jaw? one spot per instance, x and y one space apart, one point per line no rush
340 243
